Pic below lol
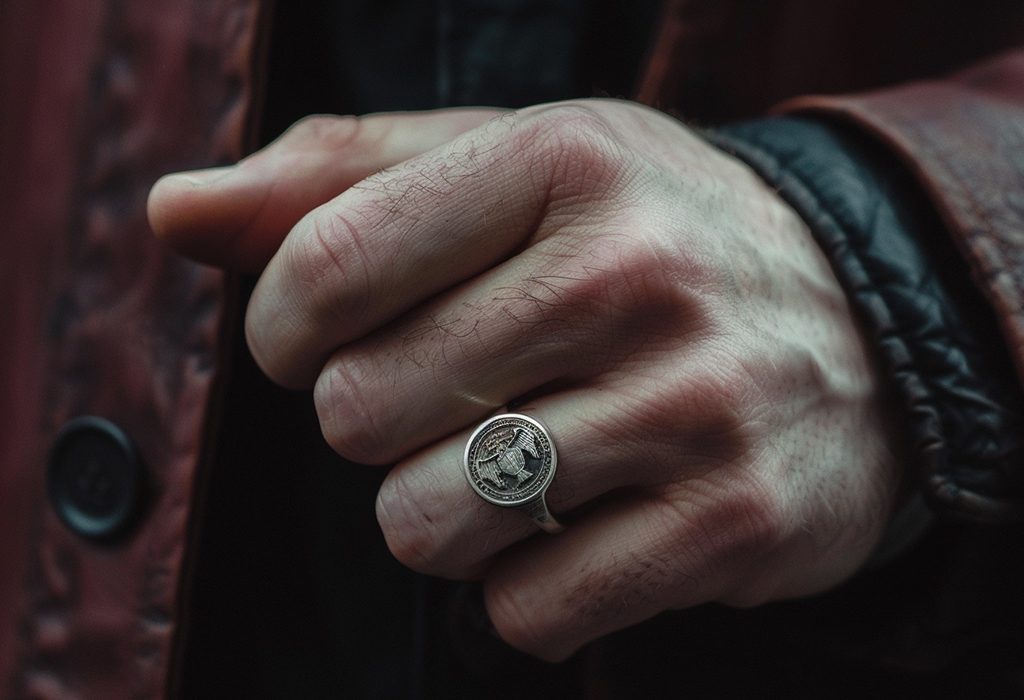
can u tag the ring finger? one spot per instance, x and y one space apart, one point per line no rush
435 523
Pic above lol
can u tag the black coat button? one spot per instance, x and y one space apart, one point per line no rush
95 478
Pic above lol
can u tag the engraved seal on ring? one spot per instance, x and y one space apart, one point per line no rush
510 460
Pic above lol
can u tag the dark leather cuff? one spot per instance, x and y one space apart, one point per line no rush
937 337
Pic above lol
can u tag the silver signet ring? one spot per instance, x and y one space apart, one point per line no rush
510 461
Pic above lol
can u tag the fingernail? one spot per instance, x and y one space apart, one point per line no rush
203 178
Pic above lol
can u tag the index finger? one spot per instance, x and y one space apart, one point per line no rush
407 234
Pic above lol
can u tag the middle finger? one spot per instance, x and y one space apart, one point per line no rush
539 318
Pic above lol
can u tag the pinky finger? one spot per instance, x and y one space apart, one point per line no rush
619 566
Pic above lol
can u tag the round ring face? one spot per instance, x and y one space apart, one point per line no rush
510 459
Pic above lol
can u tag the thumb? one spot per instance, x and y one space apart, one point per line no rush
237 216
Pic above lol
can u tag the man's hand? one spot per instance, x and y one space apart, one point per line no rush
665 314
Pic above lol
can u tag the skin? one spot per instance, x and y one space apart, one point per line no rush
666 315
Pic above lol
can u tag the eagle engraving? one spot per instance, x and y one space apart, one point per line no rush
502 453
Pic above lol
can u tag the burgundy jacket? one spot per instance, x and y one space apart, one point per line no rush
99 98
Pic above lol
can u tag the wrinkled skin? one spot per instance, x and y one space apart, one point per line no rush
648 298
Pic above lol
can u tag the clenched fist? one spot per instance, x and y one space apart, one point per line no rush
660 310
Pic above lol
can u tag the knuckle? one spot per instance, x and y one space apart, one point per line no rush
351 414
519 621
579 146
740 522
572 123
638 281
320 282
710 422
270 332
606 284
326 277
724 399
329 261
260 347
755 518
409 507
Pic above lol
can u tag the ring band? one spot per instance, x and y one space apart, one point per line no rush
510 461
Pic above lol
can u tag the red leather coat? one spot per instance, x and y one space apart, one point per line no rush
98 98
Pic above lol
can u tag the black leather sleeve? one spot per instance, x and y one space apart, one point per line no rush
937 336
